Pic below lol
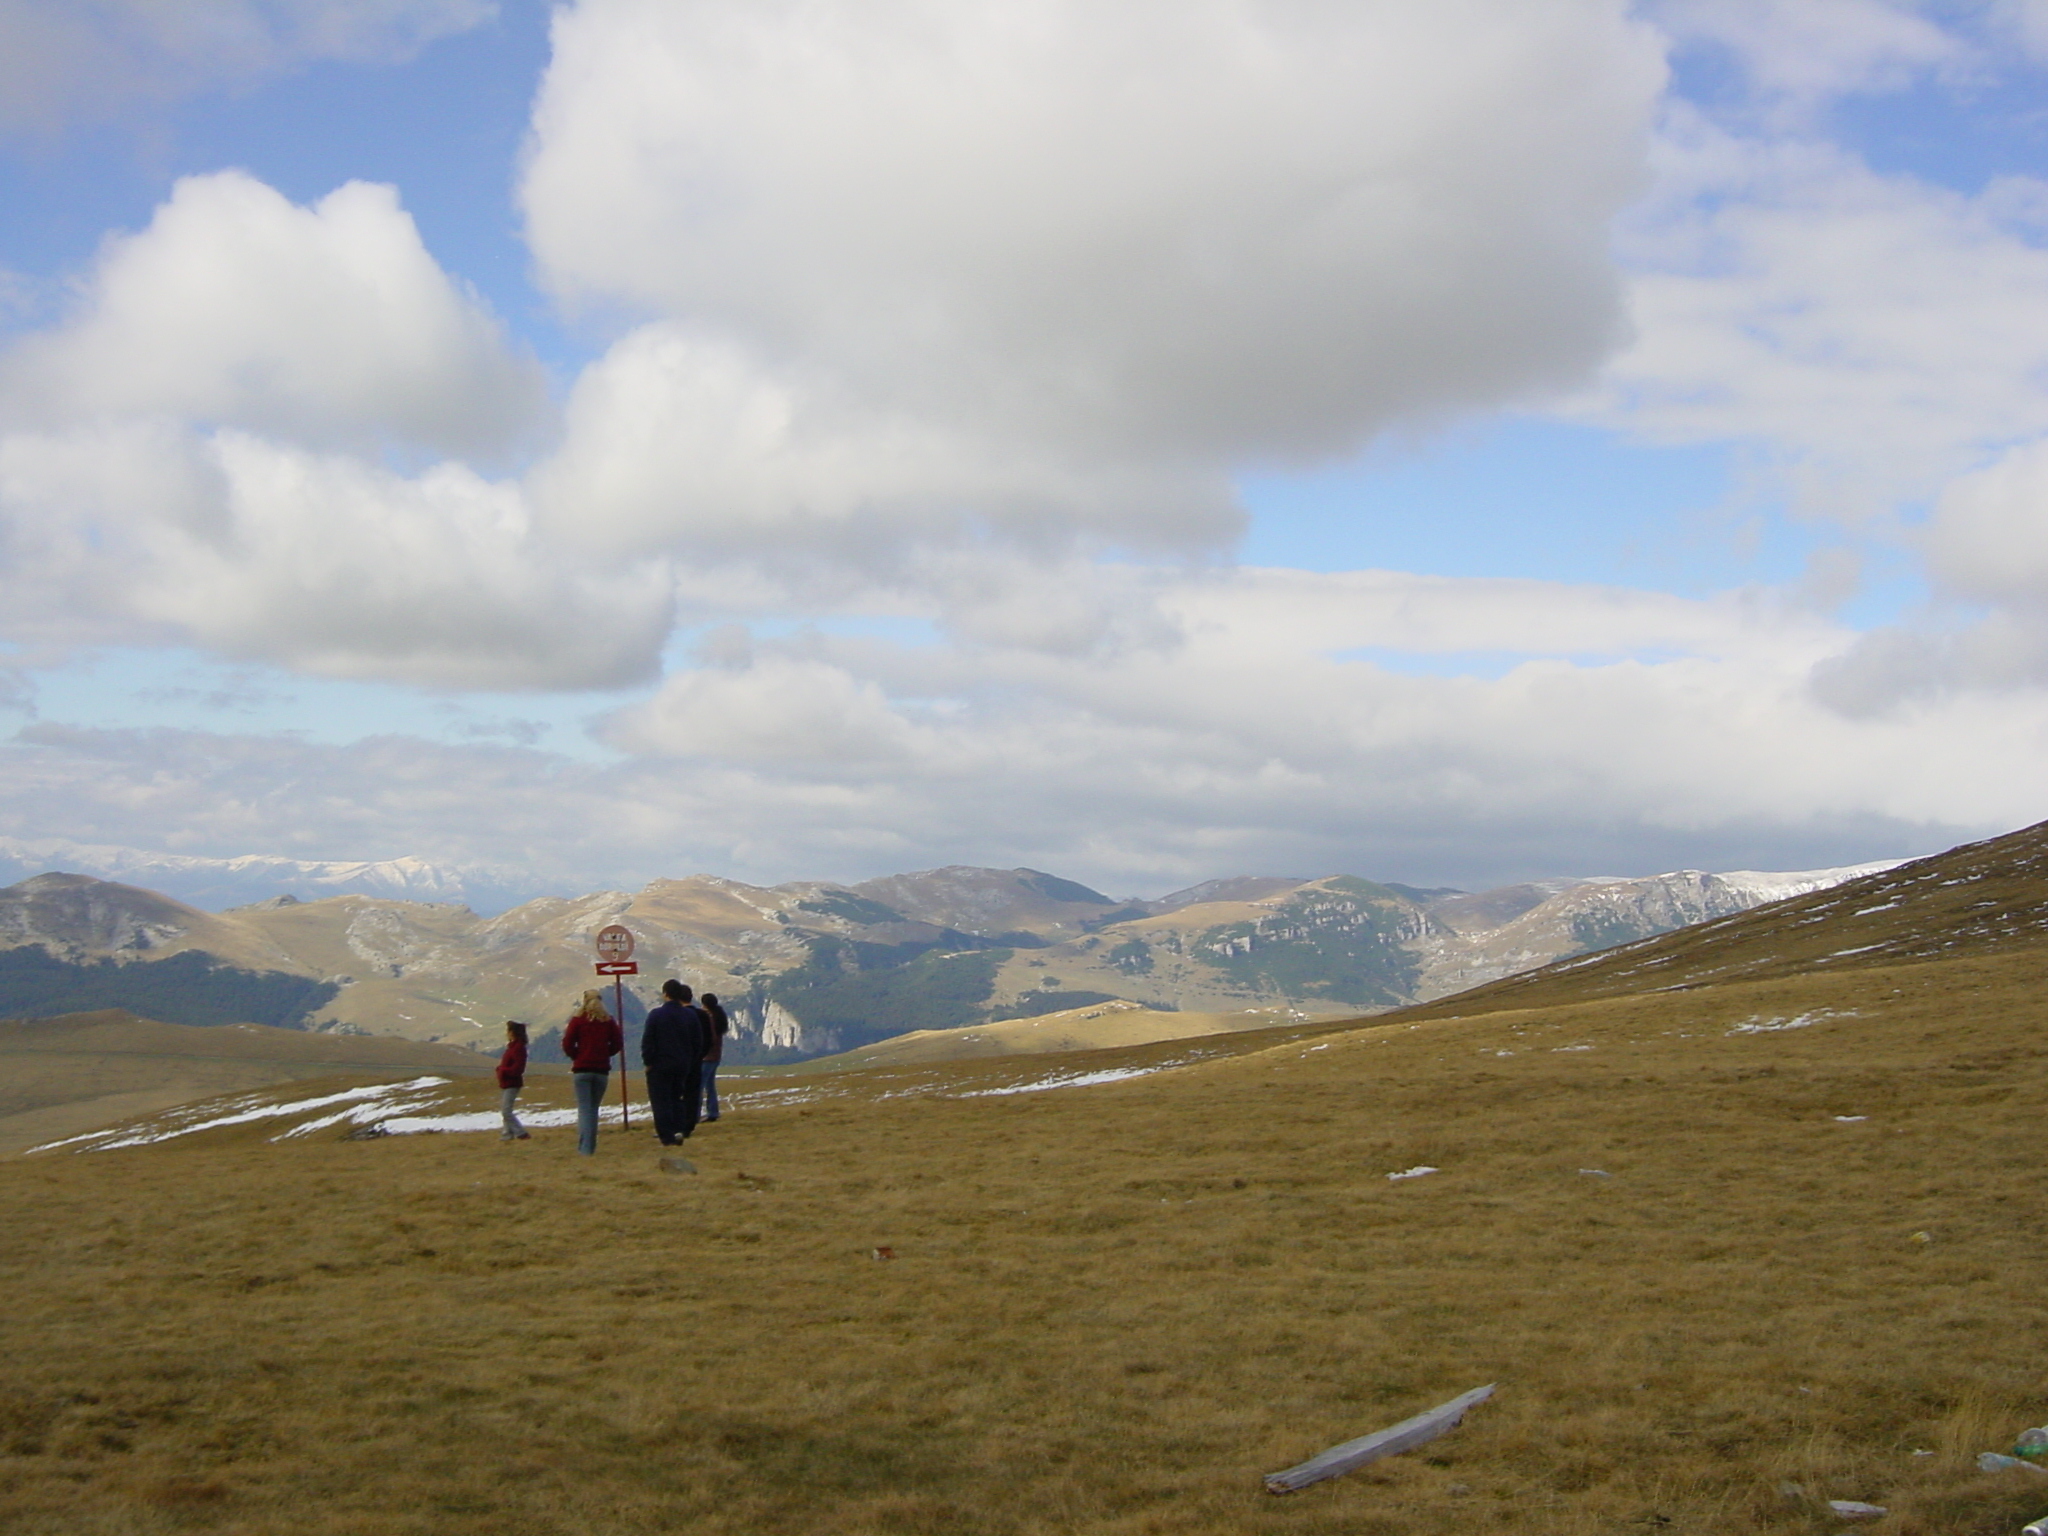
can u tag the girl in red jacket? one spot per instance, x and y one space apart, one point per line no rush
591 1040
512 1078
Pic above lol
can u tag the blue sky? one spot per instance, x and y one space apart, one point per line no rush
830 441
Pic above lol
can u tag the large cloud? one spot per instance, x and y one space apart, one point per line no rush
317 561
673 442
975 278
1210 230
203 453
327 324
67 61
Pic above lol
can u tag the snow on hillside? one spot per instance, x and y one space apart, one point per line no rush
1763 886
217 884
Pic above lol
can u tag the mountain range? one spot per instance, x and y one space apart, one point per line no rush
216 884
811 968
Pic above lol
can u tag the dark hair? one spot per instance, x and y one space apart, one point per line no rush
515 1029
713 1007
675 991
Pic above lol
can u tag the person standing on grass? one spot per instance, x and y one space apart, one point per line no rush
672 1046
720 1024
590 1041
512 1078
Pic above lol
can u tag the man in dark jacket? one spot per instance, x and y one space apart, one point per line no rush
672 1046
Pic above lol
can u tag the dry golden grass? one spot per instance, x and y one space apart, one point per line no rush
1110 1309
1096 1027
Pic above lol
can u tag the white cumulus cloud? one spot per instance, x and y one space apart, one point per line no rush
1209 230
322 562
673 442
199 455
328 324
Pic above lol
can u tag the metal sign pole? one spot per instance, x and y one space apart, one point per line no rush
615 959
625 1088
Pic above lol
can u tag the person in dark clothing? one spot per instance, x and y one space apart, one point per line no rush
591 1040
720 1024
512 1078
672 1046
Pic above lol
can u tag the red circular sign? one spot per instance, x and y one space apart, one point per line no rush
614 942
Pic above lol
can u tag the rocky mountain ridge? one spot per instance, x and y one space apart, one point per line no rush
809 968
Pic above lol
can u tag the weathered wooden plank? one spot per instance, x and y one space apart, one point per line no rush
1404 1436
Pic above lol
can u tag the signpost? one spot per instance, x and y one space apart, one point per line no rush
615 959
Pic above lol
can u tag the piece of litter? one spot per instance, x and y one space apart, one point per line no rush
1597 1173
1923 1453
879 1254
1851 1119
1404 1436
1414 1173
1850 1509
1923 1237
1994 1461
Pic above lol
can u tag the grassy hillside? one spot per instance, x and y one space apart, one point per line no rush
190 987
1097 1026
1982 898
1730 1252
63 1076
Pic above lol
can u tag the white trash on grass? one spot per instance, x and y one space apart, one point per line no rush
1993 1461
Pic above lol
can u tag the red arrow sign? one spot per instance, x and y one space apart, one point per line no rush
618 967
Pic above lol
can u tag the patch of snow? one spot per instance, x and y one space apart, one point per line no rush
774 1097
1759 1025
1064 1080
488 1120
173 1126
1414 1173
1766 885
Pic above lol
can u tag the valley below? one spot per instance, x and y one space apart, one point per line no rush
811 969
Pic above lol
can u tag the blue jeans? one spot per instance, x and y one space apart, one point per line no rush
710 1090
590 1087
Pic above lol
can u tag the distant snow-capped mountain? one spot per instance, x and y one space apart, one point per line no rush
218 884
807 968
